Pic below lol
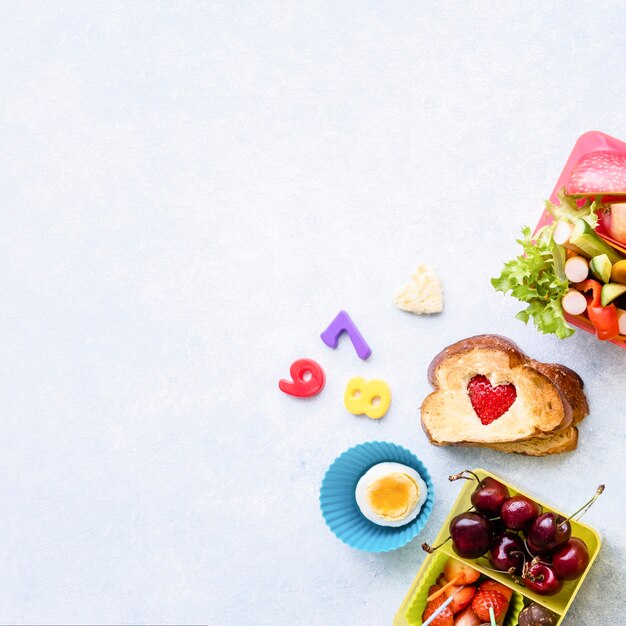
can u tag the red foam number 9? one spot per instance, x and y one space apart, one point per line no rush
308 379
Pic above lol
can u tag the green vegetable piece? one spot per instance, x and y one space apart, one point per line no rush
610 292
600 267
585 238
536 278
569 210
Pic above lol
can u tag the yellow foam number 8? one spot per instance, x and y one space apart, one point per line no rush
367 397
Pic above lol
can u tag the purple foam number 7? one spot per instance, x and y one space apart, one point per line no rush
343 323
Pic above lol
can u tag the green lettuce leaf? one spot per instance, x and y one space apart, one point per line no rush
568 209
535 277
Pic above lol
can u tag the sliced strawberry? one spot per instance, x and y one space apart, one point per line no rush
467 618
492 585
485 599
445 618
433 605
462 599
436 602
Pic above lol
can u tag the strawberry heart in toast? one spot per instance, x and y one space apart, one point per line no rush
487 392
490 402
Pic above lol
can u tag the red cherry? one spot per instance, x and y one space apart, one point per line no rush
534 550
489 496
548 531
571 560
507 552
542 579
471 535
519 512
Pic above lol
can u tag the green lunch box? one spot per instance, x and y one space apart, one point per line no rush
412 607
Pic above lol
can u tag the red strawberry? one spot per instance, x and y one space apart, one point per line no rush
461 598
492 585
490 402
445 618
467 618
485 599
433 605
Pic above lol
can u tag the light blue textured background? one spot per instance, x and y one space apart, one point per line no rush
189 192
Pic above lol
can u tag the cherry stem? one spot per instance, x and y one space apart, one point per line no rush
510 571
585 507
460 475
526 571
538 561
533 562
514 576
535 559
443 589
427 548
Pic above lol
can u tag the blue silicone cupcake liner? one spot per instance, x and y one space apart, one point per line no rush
338 502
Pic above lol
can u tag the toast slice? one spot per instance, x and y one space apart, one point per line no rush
565 440
549 398
571 386
561 441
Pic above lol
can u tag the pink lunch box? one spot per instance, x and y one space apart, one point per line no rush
589 142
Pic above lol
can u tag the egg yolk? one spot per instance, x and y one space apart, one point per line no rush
393 496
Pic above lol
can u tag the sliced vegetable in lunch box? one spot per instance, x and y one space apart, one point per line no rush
572 270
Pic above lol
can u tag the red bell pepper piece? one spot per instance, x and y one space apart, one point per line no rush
603 318
596 291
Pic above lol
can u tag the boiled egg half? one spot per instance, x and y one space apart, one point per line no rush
391 494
